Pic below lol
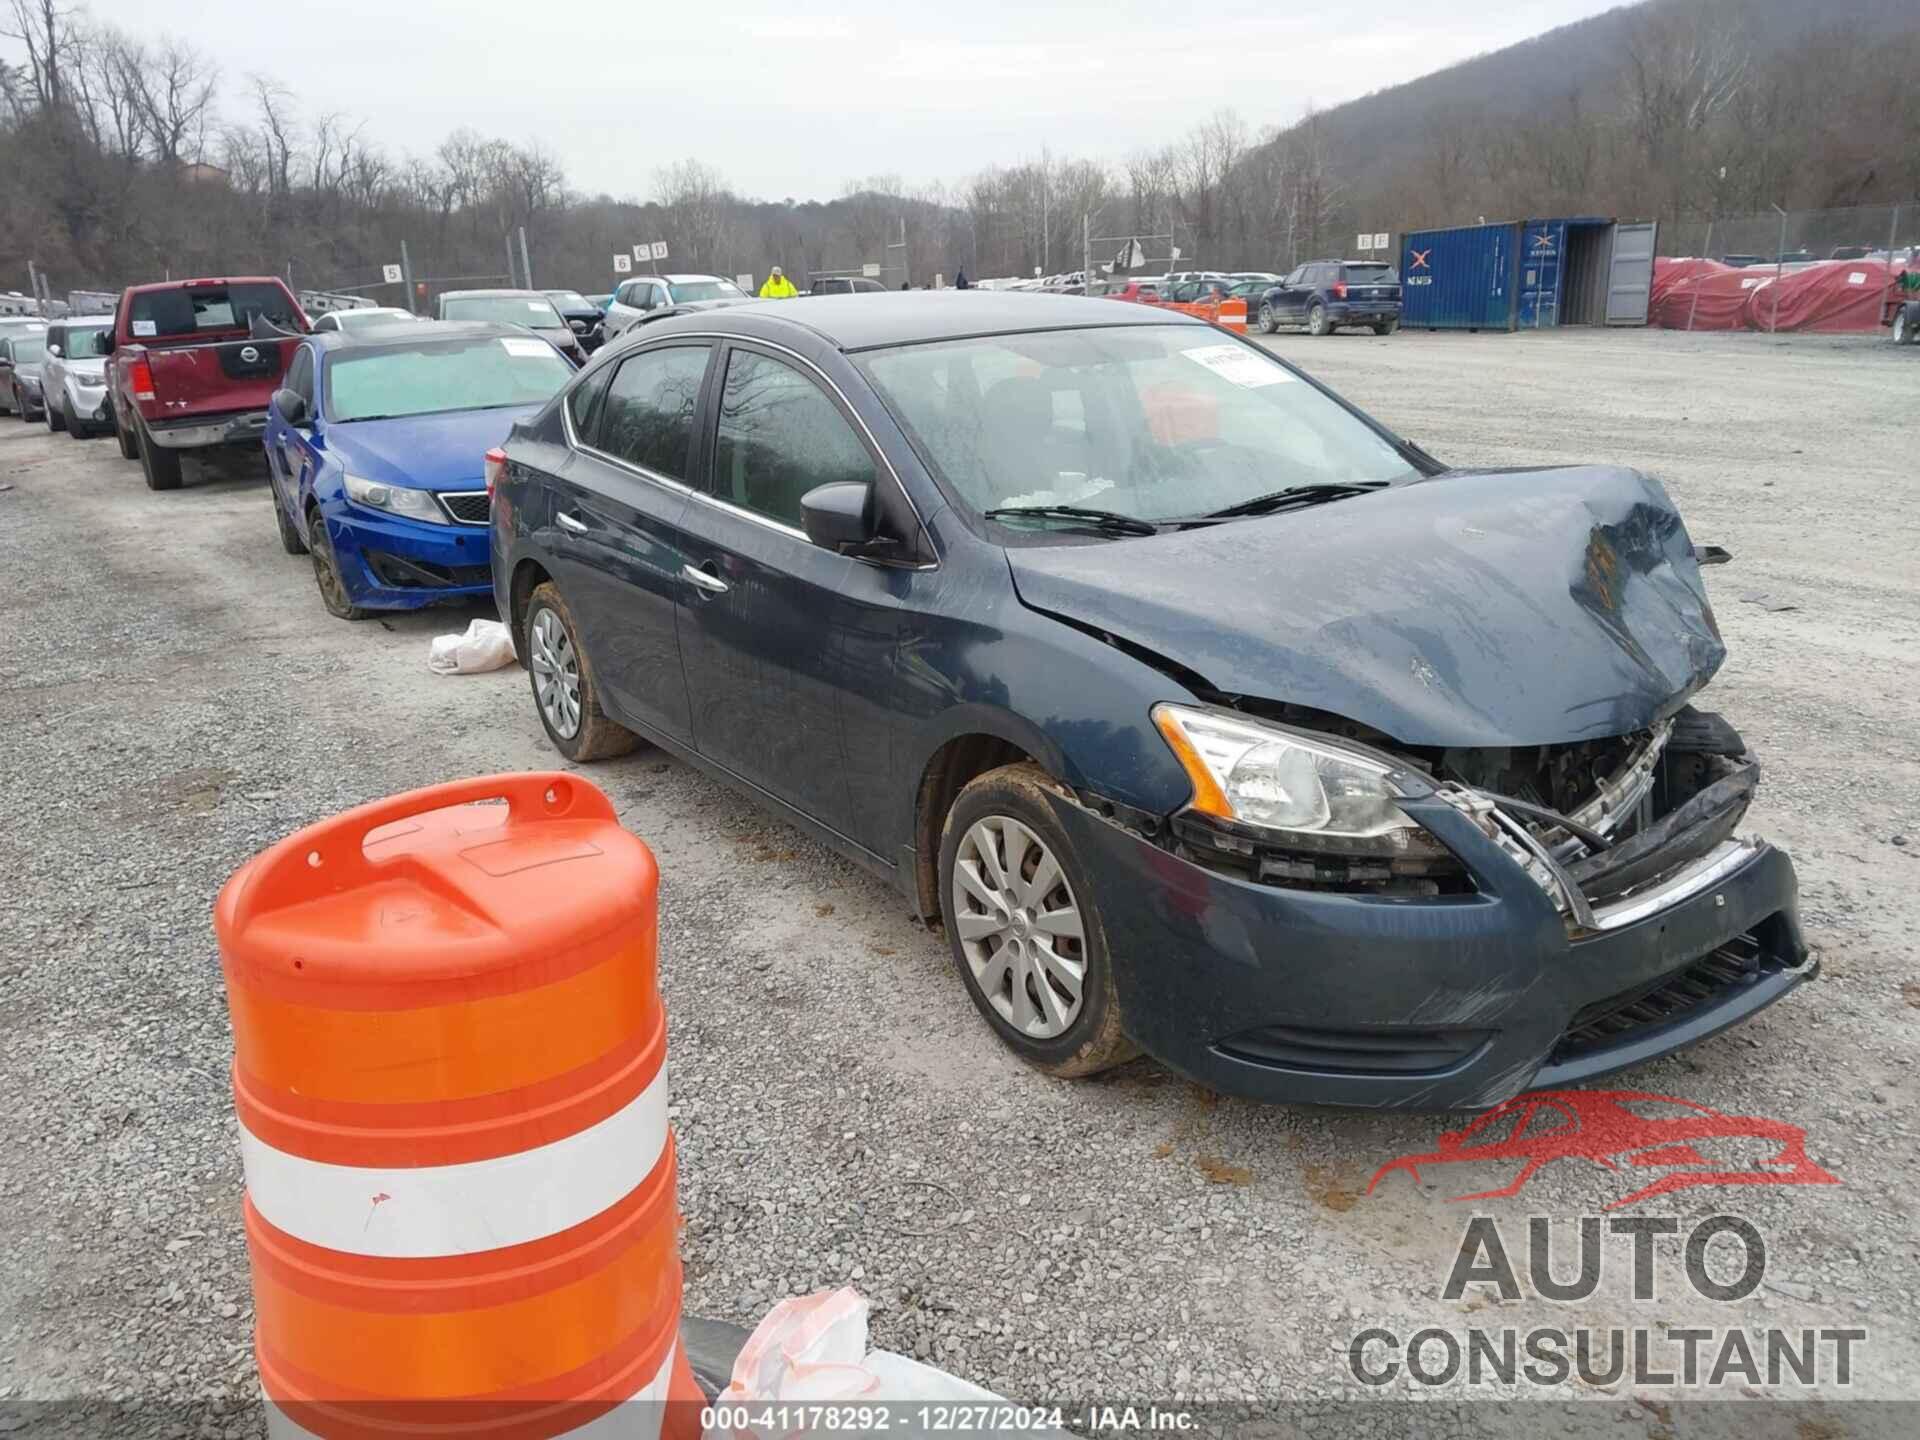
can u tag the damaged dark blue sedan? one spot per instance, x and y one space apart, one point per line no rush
1209 717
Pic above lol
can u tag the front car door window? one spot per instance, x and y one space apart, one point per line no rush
780 436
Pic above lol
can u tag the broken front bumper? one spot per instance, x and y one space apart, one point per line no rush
1438 1002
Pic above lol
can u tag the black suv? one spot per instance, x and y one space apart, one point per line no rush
1323 295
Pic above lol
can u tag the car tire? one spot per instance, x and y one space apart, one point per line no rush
123 436
161 465
290 540
56 420
326 572
1028 999
1268 324
1317 320
566 693
75 428
1906 324
1386 327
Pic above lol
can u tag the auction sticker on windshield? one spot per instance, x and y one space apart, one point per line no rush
1241 366
527 349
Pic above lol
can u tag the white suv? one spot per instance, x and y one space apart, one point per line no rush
636 298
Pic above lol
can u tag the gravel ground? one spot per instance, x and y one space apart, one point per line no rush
173 698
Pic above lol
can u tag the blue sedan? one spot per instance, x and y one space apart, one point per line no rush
376 447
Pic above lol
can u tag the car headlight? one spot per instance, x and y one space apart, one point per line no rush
396 500
1314 792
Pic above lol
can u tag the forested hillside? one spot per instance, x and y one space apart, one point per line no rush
123 157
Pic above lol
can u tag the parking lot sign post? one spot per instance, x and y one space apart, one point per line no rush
406 272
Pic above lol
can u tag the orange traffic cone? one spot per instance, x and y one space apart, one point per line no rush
450 1072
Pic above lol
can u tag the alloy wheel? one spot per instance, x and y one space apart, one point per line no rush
556 674
1019 926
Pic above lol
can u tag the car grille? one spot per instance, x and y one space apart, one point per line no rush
399 573
1701 985
469 507
1387 1050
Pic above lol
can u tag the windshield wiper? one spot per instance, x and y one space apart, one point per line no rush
1099 519
1294 495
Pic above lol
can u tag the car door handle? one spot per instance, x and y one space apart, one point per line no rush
571 522
703 580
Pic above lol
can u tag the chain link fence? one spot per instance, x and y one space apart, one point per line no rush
1793 237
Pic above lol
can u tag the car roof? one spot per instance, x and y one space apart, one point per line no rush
493 294
406 334
911 317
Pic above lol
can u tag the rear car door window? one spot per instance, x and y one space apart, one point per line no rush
583 405
647 416
779 437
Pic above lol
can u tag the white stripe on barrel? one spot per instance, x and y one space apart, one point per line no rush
459 1209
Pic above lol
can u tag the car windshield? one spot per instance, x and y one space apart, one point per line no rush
28 348
687 291
442 376
88 343
1155 422
196 309
503 310
569 300
365 319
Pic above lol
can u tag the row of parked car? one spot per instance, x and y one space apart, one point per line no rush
1320 297
1119 650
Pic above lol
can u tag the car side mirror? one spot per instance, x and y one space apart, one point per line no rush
54 350
839 517
292 408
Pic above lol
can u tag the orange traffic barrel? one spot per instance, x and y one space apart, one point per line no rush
450 1073
1233 315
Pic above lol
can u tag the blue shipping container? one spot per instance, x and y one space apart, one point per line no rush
1564 271
1461 279
1542 247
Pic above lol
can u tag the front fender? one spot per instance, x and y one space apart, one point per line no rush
975 661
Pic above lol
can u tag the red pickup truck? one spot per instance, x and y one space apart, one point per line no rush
194 365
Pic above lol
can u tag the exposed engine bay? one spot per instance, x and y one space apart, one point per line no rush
1593 822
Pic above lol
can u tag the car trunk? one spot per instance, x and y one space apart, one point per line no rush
220 378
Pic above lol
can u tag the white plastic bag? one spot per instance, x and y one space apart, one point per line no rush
487 645
812 1349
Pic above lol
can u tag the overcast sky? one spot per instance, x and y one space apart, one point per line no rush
784 102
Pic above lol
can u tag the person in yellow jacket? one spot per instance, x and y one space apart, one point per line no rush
778 287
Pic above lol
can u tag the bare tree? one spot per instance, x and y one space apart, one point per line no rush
1684 65
47 30
173 89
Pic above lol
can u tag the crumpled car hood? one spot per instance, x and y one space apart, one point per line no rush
1502 608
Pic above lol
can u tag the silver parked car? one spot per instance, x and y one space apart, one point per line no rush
635 299
364 317
74 376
